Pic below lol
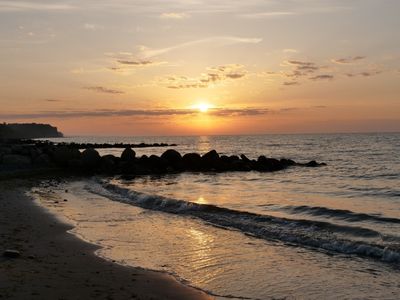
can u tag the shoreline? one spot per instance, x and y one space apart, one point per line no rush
55 264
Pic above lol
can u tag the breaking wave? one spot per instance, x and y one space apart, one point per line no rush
326 236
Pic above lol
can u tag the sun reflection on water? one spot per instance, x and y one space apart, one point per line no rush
201 200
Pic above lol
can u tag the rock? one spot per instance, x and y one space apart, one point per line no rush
128 154
108 163
43 160
314 164
157 164
287 162
90 158
16 160
244 158
240 165
173 158
21 149
192 161
9 253
63 155
210 160
269 164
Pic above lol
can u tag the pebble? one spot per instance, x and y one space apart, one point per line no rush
11 253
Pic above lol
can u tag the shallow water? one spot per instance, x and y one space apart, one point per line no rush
330 232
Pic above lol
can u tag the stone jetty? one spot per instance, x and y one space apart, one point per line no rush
69 158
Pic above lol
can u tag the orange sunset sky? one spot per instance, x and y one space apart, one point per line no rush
201 67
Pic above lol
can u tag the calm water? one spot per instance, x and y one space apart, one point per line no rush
329 232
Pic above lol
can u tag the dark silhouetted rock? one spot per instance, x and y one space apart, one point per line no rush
43 160
192 161
173 158
313 164
90 158
269 164
128 154
16 160
287 162
244 158
63 155
157 164
210 160
108 163
240 165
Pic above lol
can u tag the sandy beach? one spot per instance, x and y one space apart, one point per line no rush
54 264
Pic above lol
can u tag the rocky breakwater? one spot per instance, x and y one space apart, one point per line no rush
89 161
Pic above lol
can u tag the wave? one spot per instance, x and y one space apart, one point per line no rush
342 214
315 234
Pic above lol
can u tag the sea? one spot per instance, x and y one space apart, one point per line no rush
329 232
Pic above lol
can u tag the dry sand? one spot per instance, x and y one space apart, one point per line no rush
57 265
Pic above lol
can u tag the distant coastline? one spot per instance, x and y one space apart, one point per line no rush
28 131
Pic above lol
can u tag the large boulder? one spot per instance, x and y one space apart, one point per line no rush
42 160
128 154
16 160
192 161
210 160
174 158
108 164
63 155
90 158
157 164
269 164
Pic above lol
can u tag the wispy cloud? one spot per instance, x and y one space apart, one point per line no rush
365 73
175 15
300 68
217 112
214 41
15 6
102 89
290 83
268 14
92 27
290 50
52 100
126 61
348 60
135 62
223 112
322 77
212 76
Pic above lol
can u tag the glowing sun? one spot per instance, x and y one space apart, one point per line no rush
203 107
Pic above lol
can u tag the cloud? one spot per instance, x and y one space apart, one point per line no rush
214 41
174 16
364 73
212 76
126 61
291 83
228 112
322 77
268 14
92 27
301 68
102 89
52 100
218 112
289 50
348 60
15 6
135 62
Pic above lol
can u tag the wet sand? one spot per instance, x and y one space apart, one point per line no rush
54 264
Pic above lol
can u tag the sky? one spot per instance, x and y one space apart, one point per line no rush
201 67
